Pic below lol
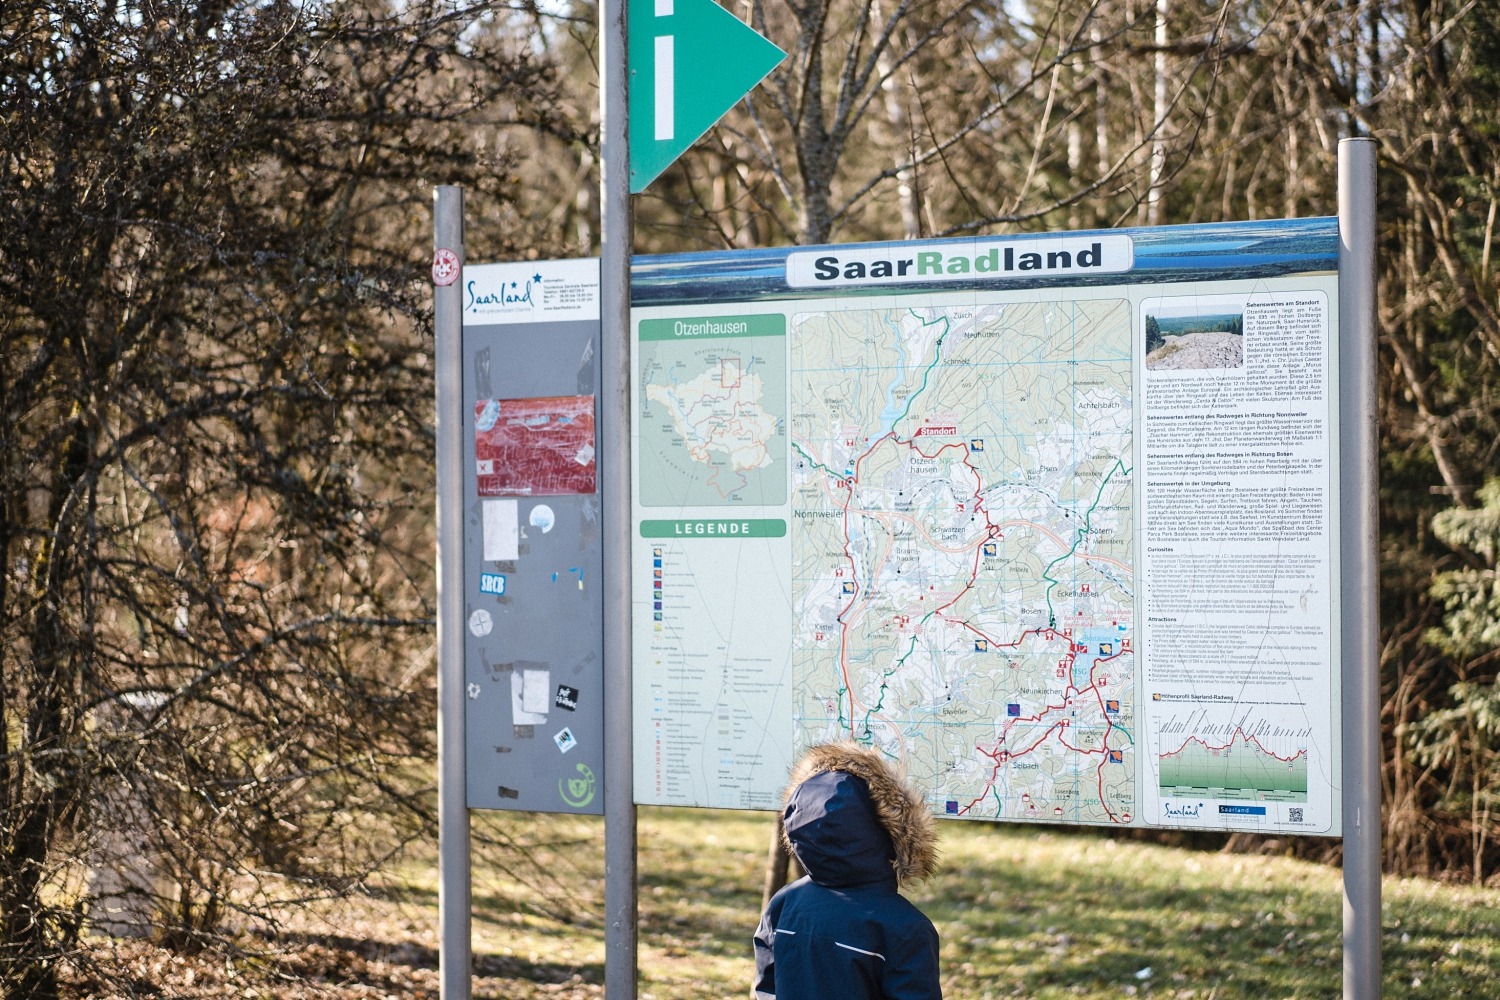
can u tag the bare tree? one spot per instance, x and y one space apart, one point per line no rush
214 395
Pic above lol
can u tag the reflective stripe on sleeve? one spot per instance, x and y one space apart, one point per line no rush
860 950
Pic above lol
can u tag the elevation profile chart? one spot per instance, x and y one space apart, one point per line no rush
1238 760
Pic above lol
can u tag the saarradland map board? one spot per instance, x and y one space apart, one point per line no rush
1052 520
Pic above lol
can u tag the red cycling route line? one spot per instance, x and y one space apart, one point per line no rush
1000 757
849 483
1003 757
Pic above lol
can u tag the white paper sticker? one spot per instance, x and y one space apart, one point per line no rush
519 715
536 691
502 531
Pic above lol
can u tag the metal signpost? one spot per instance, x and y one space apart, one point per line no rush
454 929
616 237
520 705
672 67
1359 473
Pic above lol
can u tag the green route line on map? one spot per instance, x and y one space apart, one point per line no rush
937 353
879 702
815 463
883 685
894 667
1119 466
887 676
909 649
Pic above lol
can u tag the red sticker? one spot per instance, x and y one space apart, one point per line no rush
444 267
535 447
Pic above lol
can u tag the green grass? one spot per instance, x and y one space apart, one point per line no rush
1022 912
1165 351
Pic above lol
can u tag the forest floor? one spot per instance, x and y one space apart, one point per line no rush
1022 912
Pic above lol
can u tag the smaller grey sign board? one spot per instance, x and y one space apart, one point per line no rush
534 609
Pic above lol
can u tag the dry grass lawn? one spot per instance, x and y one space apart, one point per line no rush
1023 912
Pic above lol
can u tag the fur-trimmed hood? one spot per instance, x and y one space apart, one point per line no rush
824 819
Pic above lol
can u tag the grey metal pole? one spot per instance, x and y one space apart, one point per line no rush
455 981
1359 539
616 239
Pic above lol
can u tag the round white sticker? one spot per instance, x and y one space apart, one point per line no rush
480 623
542 517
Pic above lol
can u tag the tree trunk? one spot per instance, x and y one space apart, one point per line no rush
39 799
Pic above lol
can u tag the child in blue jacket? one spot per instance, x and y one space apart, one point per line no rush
843 932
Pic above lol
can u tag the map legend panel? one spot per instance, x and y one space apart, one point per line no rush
717 666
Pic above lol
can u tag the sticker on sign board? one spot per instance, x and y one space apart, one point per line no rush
542 517
536 688
565 740
519 716
473 690
491 583
536 447
502 530
487 415
567 697
445 267
578 792
480 623
536 291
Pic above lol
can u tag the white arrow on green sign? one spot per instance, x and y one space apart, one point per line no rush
690 61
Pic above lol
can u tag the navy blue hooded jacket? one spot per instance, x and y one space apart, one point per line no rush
844 932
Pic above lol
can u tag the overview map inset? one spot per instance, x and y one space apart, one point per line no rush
712 429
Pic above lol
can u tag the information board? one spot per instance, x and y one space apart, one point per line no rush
533 653
1051 520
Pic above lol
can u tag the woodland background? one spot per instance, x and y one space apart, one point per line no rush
216 529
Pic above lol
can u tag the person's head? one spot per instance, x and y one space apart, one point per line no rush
851 818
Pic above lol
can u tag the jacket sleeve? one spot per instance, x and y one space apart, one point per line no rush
765 958
911 966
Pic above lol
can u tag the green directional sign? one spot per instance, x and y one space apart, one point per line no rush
690 61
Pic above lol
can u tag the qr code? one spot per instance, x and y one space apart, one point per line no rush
1294 814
